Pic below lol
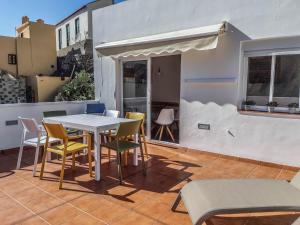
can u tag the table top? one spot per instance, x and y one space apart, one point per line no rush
88 122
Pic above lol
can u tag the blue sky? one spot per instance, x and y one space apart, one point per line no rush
52 11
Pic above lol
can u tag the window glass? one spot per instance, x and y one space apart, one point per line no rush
59 39
77 27
287 76
259 76
68 34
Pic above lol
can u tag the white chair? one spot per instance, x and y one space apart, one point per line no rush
107 134
30 127
165 119
112 113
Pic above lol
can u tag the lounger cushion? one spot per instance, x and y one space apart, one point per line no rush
205 198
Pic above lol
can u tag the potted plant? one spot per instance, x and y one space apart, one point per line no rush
247 104
271 106
293 107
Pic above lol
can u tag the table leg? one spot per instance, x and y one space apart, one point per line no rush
135 154
85 141
97 154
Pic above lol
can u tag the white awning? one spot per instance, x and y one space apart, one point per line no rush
202 38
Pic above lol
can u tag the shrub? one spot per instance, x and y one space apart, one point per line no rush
78 89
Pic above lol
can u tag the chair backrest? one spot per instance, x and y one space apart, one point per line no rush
166 116
112 113
95 108
55 113
29 124
126 129
56 131
135 116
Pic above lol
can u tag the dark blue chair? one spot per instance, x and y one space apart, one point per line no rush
95 108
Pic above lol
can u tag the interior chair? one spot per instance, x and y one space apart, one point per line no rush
66 148
37 139
120 144
204 199
95 108
165 120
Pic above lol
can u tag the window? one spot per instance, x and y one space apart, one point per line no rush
68 34
12 59
280 84
59 39
77 28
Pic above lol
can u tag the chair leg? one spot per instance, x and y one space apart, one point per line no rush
43 163
20 156
90 155
161 132
109 154
176 202
170 133
90 161
143 160
157 132
126 154
73 162
119 166
144 140
36 160
62 172
109 151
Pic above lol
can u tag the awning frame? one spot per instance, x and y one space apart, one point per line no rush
169 36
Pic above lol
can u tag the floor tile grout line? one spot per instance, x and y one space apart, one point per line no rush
66 202
25 207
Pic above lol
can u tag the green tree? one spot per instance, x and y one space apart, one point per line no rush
78 89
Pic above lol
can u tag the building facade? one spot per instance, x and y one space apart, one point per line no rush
74 38
256 58
32 52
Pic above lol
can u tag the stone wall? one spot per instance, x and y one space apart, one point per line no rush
12 89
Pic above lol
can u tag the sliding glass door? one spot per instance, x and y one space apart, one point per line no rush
135 87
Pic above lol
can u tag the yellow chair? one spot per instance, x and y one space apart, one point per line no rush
139 116
66 148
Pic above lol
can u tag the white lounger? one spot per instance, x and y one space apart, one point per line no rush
206 198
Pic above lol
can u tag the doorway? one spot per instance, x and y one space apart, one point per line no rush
165 98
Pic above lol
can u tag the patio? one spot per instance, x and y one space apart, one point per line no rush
141 200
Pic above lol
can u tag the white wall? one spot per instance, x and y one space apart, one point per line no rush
84 28
261 138
10 136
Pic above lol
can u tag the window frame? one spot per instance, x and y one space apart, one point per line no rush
59 38
260 53
77 27
12 59
68 34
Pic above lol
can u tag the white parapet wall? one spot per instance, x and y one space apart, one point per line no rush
10 136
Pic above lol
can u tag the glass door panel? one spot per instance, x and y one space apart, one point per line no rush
135 87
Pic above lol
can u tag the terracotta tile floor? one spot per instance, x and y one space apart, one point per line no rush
141 200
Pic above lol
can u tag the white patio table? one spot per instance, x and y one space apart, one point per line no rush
95 124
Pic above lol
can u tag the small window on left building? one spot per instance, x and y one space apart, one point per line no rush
68 34
12 59
77 27
59 39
